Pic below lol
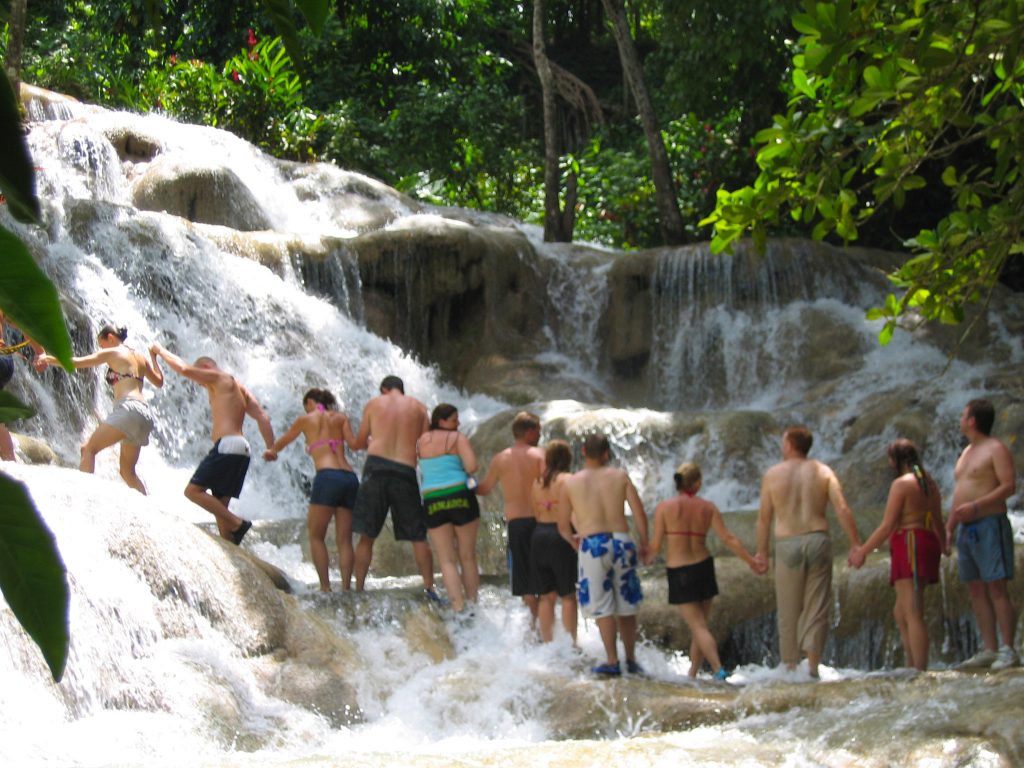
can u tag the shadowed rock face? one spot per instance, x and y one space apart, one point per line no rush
449 292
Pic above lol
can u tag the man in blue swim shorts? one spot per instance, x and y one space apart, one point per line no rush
985 479
609 586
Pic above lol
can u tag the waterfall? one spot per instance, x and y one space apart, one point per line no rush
202 289
181 646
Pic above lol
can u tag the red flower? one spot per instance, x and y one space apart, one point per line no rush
251 40
174 58
235 76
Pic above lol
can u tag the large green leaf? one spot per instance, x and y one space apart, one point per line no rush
316 13
12 409
17 181
32 575
30 299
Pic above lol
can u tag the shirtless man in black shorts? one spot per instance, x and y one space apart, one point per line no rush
220 475
516 469
392 423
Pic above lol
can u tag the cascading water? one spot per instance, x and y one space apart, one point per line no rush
181 654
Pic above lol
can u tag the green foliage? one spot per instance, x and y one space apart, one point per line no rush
12 409
26 294
17 181
886 102
32 575
616 192
256 95
721 58
87 50
264 103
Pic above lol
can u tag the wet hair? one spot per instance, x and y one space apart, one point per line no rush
904 455
557 459
523 423
392 382
687 476
120 331
440 413
800 438
596 445
321 396
983 413
205 361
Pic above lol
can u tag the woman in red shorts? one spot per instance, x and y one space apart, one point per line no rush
917 537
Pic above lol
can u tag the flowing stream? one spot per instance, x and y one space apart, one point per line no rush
182 656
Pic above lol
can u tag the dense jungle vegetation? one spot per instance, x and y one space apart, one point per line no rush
440 98
893 124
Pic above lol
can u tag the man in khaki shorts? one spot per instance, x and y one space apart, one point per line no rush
796 493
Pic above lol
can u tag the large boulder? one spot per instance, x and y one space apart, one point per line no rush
202 194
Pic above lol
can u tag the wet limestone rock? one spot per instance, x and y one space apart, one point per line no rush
201 194
447 291
32 450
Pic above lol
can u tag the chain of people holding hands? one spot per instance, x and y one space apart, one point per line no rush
569 540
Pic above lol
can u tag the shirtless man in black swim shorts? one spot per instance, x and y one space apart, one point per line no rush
220 475
516 469
392 423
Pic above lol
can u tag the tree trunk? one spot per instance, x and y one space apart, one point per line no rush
15 45
554 223
670 219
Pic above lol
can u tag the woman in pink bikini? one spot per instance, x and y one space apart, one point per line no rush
683 522
131 420
327 432
917 537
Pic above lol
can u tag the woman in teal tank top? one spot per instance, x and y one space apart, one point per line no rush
447 463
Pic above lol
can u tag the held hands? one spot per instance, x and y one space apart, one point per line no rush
270 455
857 557
43 360
645 556
760 565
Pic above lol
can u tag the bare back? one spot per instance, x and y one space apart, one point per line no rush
798 491
392 423
597 497
684 522
229 401
132 368
916 509
326 434
516 469
545 499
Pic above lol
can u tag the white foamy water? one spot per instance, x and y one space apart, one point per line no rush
168 667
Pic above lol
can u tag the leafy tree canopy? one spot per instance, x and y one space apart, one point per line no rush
890 101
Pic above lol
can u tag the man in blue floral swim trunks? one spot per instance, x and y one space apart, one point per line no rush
609 586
